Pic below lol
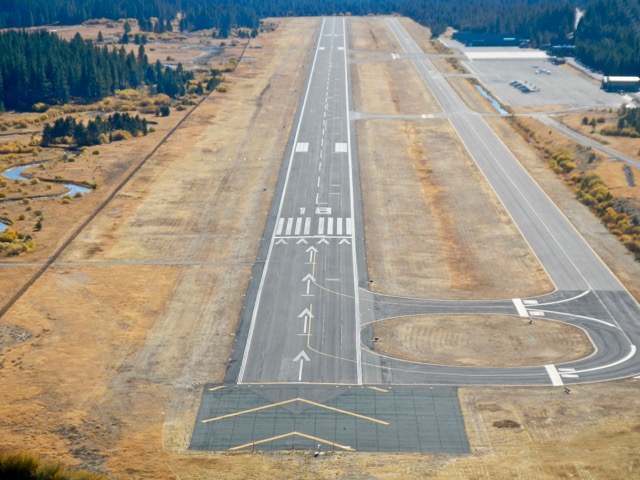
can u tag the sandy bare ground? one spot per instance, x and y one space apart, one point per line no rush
480 340
375 91
371 35
430 231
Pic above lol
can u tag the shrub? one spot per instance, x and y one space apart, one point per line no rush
9 235
27 466
119 135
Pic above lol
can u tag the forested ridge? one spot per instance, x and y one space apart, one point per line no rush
40 67
608 36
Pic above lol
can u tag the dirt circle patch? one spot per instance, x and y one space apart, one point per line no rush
480 340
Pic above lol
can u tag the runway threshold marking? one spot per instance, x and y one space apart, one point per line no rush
555 377
298 399
522 311
291 434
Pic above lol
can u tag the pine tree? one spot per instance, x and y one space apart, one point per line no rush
100 37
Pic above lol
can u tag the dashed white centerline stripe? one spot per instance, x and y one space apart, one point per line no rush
556 380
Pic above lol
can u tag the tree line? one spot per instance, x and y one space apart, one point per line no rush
101 130
608 37
39 67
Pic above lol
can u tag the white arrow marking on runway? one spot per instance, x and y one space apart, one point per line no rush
323 240
282 240
302 240
309 278
344 240
306 311
301 357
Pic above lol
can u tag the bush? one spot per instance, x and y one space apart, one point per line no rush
25 466
10 235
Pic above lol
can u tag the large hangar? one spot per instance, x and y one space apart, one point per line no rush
617 83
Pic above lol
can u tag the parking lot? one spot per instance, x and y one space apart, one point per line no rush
551 85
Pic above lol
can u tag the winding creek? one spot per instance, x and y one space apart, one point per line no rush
15 173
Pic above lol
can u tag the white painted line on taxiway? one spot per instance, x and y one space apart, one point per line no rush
520 307
556 380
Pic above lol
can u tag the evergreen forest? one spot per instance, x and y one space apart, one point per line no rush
39 67
101 130
608 37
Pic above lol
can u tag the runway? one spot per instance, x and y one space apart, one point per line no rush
298 330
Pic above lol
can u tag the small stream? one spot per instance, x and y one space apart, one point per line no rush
493 101
15 173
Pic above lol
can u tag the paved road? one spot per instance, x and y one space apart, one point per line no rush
297 331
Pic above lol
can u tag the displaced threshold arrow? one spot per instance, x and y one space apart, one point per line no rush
301 357
309 278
